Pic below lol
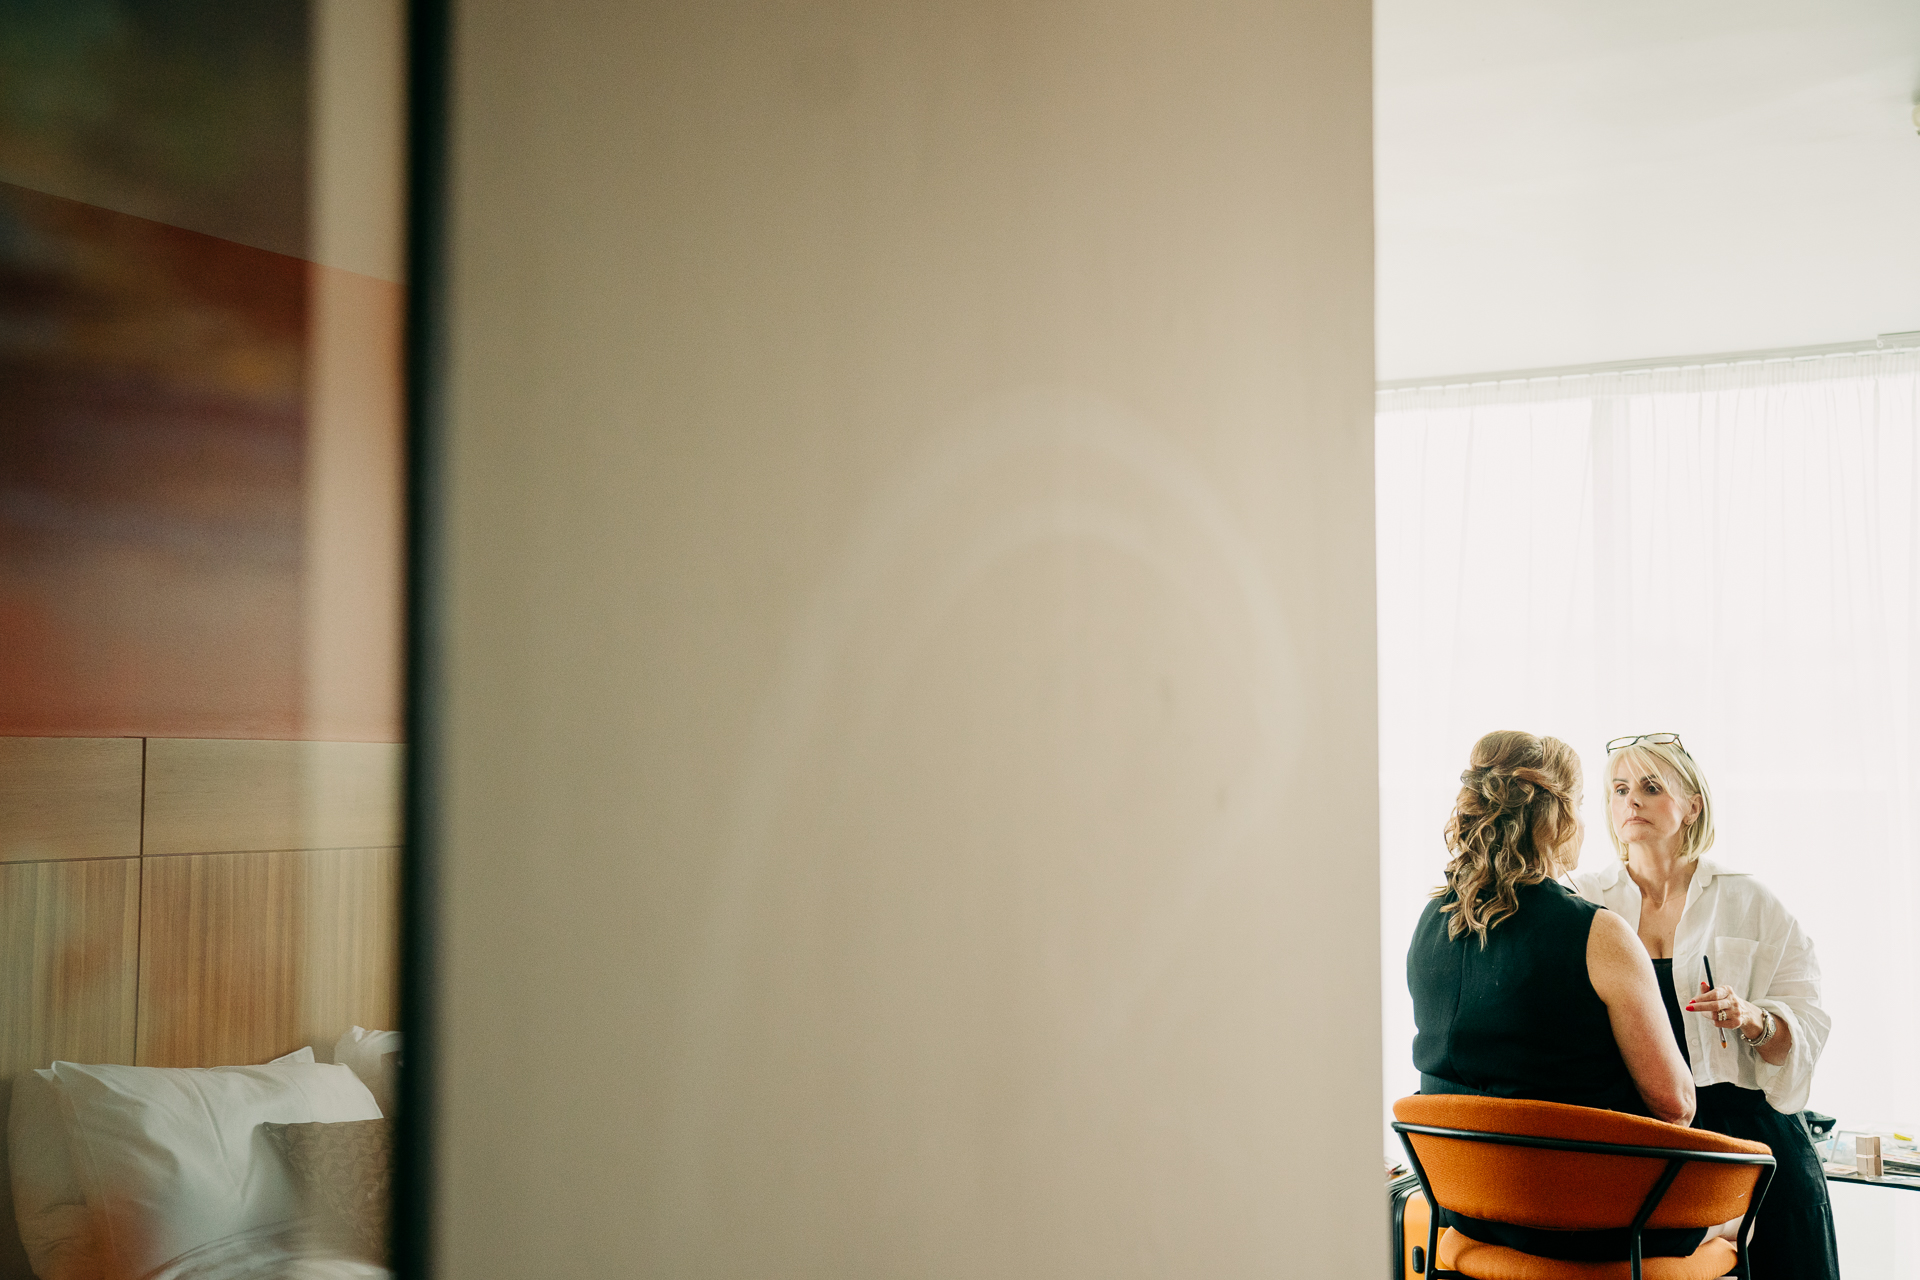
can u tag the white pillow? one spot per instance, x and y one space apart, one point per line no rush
372 1055
49 1203
174 1157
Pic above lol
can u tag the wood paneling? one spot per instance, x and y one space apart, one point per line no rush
351 974
69 937
274 926
246 956
69 798
216 796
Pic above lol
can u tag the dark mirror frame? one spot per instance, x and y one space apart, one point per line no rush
429 83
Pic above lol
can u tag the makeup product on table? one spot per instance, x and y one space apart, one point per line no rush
1710 983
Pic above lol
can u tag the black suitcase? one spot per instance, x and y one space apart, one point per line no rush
1407 1208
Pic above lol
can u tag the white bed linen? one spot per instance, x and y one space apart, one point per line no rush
50 1205
374 1057
172 1159
279 1252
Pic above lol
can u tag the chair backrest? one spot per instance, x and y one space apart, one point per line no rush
1574 1190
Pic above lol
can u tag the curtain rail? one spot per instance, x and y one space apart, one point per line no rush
1886 342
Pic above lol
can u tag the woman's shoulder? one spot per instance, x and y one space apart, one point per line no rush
1745 893
1432 911
1593 883
1550 897
1616 941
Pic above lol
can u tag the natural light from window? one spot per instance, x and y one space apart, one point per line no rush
1730 552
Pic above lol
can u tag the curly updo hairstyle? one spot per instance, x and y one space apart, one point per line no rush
1518 804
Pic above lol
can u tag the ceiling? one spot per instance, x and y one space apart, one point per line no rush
1570 182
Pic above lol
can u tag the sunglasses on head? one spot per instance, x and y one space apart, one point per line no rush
1651 739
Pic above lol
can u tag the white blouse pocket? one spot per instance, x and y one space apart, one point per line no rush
1733 964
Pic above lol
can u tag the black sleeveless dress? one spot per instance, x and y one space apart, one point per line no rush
1519 1018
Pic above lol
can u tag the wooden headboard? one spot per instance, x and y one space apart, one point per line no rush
192 902
178 902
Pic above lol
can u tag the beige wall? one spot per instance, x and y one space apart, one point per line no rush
911 725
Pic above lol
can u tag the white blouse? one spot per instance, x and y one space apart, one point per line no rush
1758 950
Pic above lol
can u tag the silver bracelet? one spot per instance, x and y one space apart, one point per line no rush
1768 1025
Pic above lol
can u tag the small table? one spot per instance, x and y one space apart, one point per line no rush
1898 1181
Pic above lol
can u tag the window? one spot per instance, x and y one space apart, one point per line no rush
1728 551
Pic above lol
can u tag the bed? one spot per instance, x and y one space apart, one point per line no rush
193 935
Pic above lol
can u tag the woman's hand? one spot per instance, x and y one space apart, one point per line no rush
1728 1012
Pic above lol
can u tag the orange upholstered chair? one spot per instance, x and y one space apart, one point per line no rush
1549 1165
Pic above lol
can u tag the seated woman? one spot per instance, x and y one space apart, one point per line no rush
1523 989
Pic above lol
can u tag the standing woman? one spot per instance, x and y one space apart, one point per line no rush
1689 912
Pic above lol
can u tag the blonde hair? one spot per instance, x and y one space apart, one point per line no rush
1669 762
1517 807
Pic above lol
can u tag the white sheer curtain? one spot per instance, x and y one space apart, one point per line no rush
1731 553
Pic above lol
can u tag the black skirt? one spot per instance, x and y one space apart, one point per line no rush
1793 1237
